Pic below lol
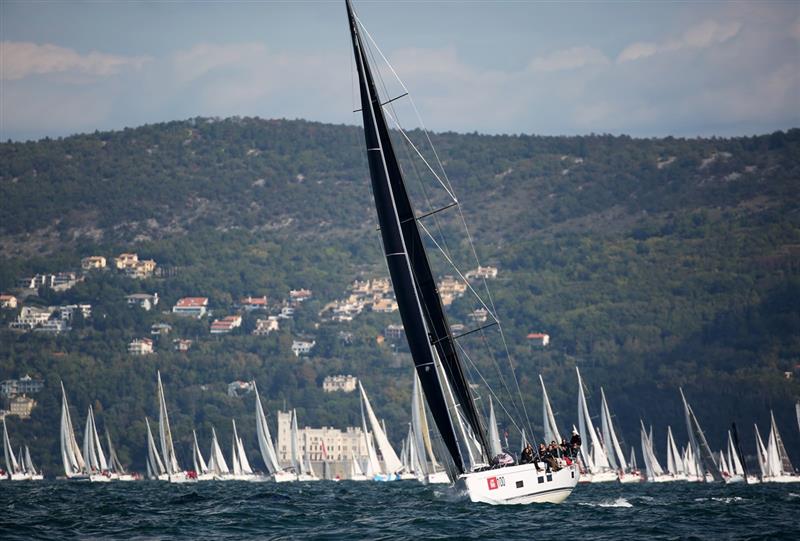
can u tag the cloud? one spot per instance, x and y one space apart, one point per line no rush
703 35
567 59
22 59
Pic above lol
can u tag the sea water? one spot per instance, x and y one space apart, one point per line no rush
396 510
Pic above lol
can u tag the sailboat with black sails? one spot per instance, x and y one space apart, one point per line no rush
428 333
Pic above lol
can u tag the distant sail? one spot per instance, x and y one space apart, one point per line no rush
268 454
155 467
165 433
70 451
216 463
391 462
494 434
698 440
548 419
200 466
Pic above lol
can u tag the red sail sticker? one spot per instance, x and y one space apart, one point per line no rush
492 483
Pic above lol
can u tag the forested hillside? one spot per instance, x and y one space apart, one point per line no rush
651 263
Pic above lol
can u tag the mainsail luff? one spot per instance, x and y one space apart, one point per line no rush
761 453
424 320
297 459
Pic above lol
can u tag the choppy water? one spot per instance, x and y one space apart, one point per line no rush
405 509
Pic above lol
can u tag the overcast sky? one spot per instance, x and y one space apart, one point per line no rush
640 68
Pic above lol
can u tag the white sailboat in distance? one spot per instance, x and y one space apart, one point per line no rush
71 457
174 472
267 447
431 342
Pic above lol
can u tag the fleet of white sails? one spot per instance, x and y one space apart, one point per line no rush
601 457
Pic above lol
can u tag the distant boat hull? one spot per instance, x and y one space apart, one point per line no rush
438 478
781 479
600 477
517 485
283 477
626 478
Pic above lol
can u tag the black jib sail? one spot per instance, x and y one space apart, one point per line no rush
426 327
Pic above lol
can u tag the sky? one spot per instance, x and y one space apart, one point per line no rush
639 68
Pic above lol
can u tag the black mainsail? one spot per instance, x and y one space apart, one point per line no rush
426 327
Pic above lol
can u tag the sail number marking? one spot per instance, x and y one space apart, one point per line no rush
496 482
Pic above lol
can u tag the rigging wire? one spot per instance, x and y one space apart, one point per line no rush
447 185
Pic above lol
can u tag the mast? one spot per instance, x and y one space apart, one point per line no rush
427 330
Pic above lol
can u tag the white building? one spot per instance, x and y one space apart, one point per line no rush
8 301
143 300
538 339
140 346
226 324
487 273
338 444
302 347
266 326
191 306
23 385
345 384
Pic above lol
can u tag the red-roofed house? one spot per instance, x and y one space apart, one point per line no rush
539 339
254 303
226 324
191 306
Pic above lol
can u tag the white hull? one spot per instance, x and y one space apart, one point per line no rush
600 477
283 477
520 484
438 478
306 477
665 479
125 477
732 479
782 479
99 478
626 478
180 477
385 477
407 477
18 477
752 480
358 478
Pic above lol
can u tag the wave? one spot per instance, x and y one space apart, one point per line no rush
727 499
619 502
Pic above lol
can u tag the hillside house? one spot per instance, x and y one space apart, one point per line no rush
266 326
486 273
300 295
140 346
345 384
181 344
144 300
538 339
160 329
253 303
302 347
8 301
226 324
191 307
21 406
93 262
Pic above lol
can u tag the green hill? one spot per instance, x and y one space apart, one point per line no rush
652 264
